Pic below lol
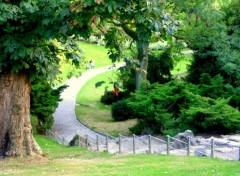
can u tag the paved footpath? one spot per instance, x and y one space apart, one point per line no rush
65 123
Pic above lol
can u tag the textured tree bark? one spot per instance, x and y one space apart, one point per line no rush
142 56
16 138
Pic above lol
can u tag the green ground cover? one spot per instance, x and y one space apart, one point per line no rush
74 161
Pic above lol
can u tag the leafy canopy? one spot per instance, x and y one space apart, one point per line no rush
27 31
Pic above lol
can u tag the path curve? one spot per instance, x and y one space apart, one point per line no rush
66 124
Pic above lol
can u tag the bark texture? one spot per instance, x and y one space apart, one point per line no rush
142 51
16 138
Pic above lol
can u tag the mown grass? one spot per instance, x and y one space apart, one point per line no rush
75 161
96 115
89 51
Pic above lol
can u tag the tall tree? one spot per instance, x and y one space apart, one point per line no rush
137 19
205 31
27 51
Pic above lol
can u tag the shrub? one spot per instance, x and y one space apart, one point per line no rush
175 107
109 97
121 111
44 101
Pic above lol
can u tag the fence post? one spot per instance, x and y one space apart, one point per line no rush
134 144
86 141
120 147
107 143
79 141
168 144
188 146
149 144
239 153
212 148
97 143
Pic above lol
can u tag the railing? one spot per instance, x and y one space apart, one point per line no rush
153 145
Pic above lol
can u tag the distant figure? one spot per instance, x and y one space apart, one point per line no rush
91 65
116 89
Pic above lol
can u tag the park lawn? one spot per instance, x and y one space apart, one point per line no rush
181 66
74 161
89 52
97 116
95 52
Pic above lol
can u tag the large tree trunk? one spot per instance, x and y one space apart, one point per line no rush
142 56
16 138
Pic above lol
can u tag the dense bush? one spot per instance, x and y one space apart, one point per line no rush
121 111
175 107
44 101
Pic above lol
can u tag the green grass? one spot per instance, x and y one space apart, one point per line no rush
90 51
97 116
97 53
181 66
74 161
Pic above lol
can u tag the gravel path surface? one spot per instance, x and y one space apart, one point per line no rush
65 123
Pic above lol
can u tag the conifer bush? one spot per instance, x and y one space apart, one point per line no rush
175 107
121 111
44 101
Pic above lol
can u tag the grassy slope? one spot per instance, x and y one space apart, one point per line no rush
99 120
90 51
71 161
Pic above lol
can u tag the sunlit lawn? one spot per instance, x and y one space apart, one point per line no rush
75 161
89 52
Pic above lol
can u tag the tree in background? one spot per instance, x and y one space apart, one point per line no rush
206 33
27 52
141 21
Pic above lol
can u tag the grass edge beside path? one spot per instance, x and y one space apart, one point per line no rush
96 115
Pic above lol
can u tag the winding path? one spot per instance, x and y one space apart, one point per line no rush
65 123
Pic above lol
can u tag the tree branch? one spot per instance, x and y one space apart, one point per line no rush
129 31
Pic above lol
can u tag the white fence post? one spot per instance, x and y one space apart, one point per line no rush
212 148
168 144
120 146
149 144
134 144
188 146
